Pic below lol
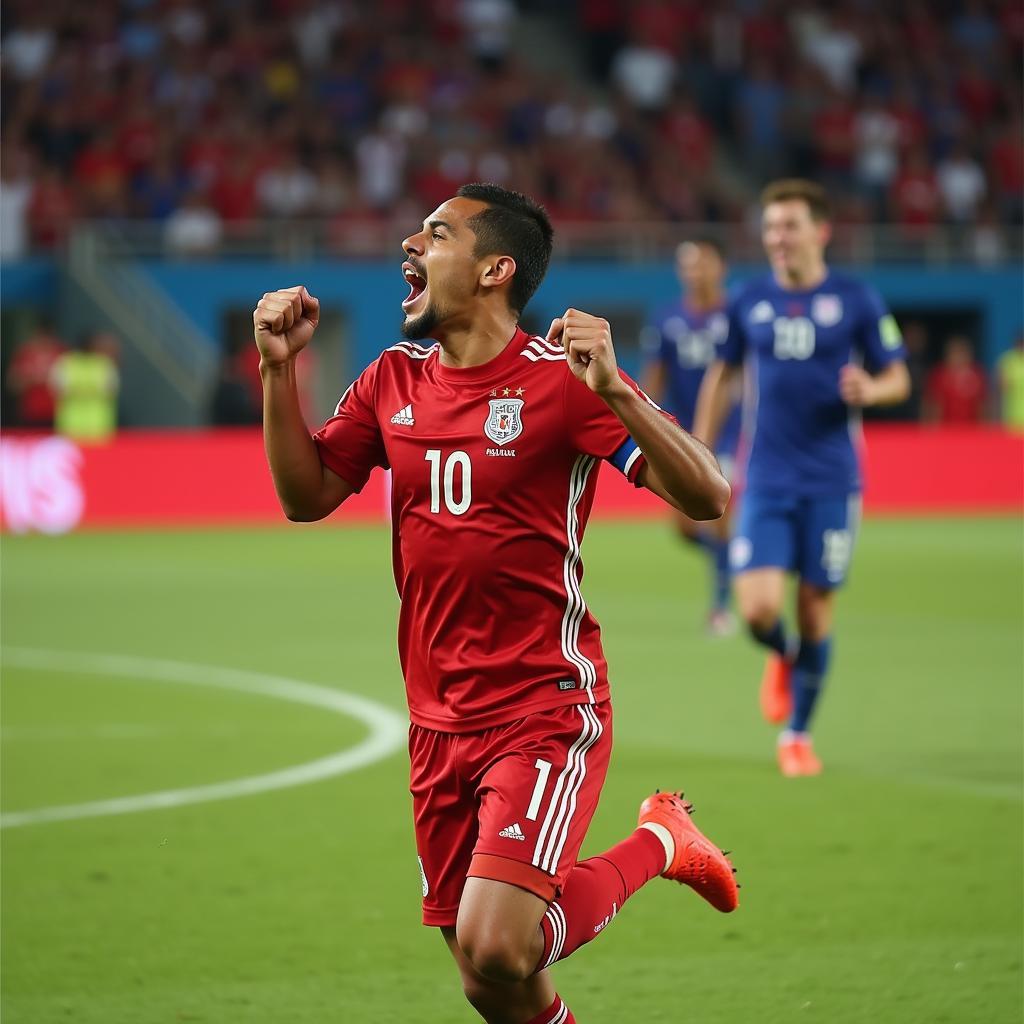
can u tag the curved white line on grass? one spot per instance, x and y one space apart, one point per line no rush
387 729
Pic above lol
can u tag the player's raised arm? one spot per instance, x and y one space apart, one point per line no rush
284 322
679 469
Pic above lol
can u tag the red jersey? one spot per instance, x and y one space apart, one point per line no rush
958 394
494 469
29 375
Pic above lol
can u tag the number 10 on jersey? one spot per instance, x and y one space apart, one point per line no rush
457 458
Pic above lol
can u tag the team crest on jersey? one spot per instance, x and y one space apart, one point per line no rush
504 420
762 313
827 310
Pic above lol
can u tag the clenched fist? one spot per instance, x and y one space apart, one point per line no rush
284 321
587 343
856 386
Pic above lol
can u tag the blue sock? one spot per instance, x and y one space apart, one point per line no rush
723 576
808 675
775 637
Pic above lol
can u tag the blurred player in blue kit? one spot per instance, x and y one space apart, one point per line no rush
818 346
679 343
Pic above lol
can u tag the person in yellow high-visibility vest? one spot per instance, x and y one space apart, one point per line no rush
1011 385
85 383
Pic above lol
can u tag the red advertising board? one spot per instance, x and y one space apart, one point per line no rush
219 478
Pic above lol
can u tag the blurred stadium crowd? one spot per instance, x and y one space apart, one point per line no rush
208 116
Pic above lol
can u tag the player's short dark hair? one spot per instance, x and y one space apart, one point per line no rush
709 240
810 192
513 225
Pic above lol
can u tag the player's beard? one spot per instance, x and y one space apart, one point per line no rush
418 327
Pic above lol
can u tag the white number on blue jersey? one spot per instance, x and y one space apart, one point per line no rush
794 337
836 548
693 348
458 458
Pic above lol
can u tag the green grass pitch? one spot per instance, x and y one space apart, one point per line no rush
887 891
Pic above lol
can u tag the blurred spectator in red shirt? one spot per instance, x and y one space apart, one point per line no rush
52 208
138 130
977 92
914 197
28 376
835 133
234 193
957 389
690 134
1007 157
102 173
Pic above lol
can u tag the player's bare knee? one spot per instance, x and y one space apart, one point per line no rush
758 613
496 957
501 964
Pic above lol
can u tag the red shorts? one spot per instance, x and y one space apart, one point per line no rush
512 802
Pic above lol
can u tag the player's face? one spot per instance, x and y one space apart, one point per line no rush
793 239
440 269
699 267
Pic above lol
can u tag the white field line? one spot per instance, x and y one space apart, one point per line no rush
387 729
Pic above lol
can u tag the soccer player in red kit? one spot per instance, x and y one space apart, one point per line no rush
494 439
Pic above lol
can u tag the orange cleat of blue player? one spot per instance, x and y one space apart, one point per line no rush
796 755
776 689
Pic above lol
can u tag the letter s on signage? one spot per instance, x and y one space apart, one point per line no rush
41 485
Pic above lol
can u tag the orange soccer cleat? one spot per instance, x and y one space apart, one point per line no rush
697 862
797 757
776 692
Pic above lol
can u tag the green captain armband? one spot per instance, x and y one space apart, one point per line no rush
889 331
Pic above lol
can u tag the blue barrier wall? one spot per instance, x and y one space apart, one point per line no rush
30 283
370 293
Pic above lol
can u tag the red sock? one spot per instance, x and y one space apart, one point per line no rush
595 891
556 1013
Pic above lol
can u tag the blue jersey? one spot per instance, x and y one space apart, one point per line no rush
685 343
802 438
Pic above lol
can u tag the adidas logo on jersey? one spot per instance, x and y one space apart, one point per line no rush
403 417
513 832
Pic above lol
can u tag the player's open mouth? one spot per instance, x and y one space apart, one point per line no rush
417 285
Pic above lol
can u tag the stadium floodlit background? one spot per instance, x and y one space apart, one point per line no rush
204 811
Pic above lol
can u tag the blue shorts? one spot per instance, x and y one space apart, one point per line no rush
812 537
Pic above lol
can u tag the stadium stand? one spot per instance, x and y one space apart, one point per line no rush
207 117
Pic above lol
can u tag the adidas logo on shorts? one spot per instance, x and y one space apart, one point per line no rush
513 832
